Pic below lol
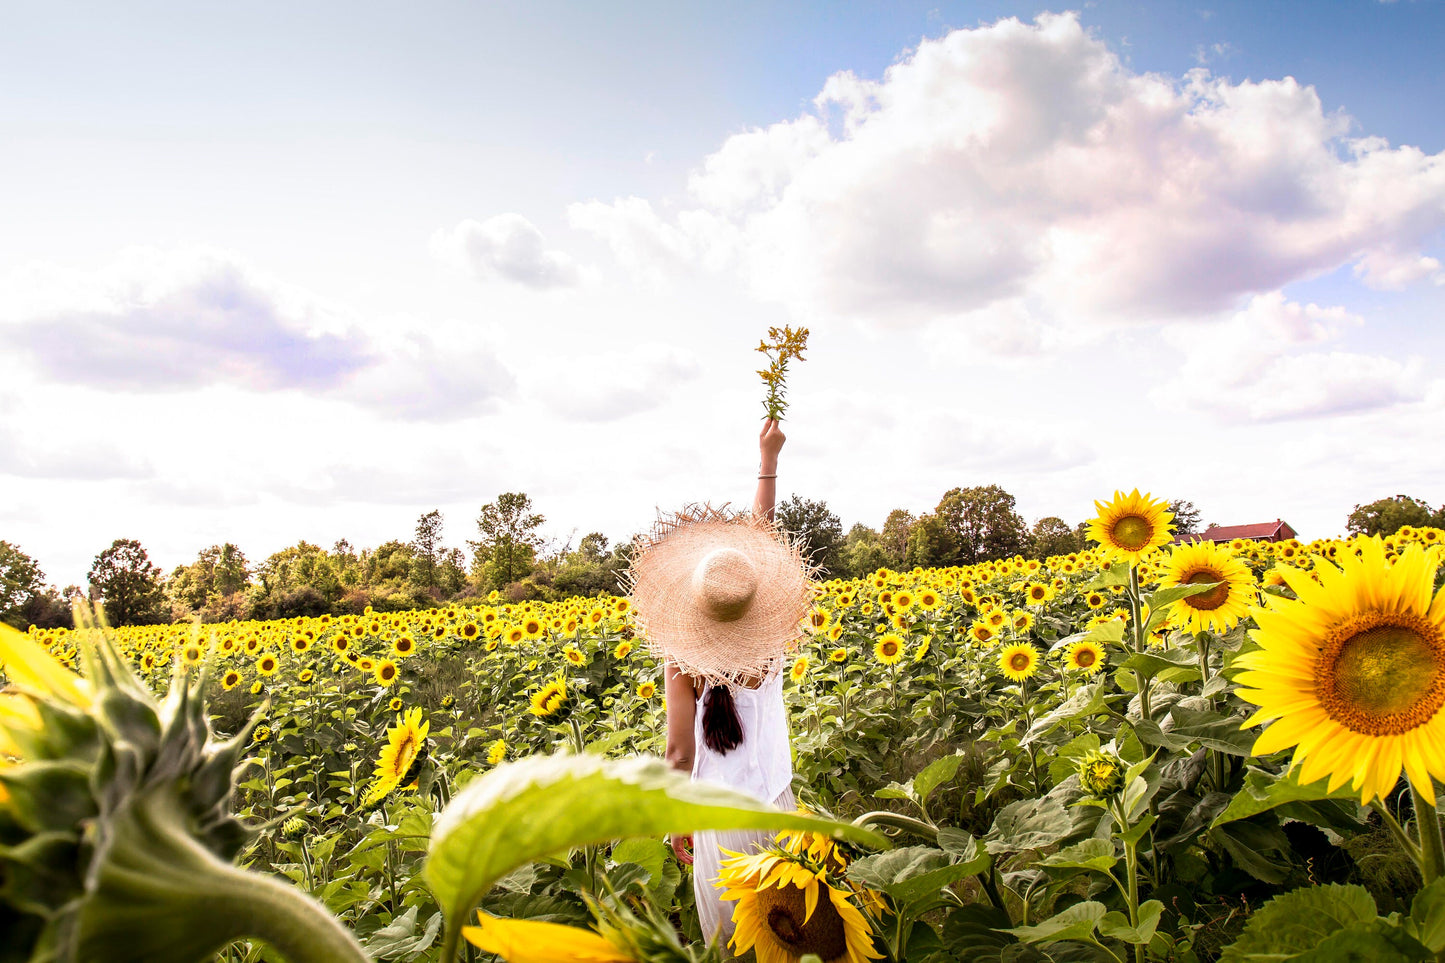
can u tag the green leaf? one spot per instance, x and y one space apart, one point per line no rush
650 854
912 874
1374 941
1064 761
935 774
1088 700
1093 854
1263 791
1213 730
1116 925
400 938
533 807
1427 913
1075 923
1029 824
1299 921
1157 600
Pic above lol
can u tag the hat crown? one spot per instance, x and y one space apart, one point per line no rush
724 584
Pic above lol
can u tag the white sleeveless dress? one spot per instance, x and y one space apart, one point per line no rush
762 767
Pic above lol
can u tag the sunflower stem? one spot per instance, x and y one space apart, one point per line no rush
1396 830
1432 852
899 821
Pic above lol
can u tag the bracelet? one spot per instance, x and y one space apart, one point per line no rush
773 475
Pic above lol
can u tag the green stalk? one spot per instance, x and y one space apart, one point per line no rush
899 821
1131 867
1137 630
1432 852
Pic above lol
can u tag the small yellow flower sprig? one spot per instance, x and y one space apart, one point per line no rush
781 345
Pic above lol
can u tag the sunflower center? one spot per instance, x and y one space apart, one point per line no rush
1084 658
1382 675
784 908
1019 661
1214 598
1132 533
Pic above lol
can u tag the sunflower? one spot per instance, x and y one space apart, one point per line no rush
549 701
623 650
496 752
799 672
191 653
400 758
922 649
266 665
532 628
1352 671
395 704
838 655
257 687
1131 525
230 680
1023 621
404 645
384 672
538 941
903 600
1086 656
300 643
928 600
1037 593
572 655
1018 661
340 644
1220 608
514 635
1095 600
646 690
787 909
261 735
819 620
305 676
888 649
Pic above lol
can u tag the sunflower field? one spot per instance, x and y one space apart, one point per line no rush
1145 751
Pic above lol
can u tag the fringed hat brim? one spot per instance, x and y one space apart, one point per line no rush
678 630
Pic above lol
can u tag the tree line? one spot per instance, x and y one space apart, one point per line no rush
509 556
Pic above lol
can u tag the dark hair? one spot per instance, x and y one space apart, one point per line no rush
722 730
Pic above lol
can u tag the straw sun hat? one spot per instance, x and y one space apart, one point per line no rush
721 595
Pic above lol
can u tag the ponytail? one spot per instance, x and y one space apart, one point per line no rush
722 730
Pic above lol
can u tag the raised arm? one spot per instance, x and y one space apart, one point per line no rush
770 442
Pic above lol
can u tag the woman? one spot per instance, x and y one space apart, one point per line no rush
723 598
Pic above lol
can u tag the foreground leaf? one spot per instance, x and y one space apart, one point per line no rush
1297 922
524 810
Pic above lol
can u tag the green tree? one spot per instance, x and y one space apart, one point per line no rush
1051 535
863 553
427 550
506 548
217 572
894 536
127 583
1186 518
591 569
1388 515
930 543
820 530
21 581
452 574
20 577
983 523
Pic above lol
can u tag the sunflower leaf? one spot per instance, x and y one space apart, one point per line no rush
1075 923
524 810
1299 921
1263 791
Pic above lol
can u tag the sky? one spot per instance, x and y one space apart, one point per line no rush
280 271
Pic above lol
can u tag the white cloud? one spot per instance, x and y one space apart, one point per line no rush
507 247
1265 364
1026 160
185 320
177 320
614 384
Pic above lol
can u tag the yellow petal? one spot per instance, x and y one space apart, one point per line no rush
535 941
33 669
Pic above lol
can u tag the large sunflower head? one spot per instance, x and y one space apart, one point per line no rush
789 906
400 759
1219 609
1018 661
1130 526
1352 671
888 649
1085 656
550 702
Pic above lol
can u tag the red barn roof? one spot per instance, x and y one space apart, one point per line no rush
1275 531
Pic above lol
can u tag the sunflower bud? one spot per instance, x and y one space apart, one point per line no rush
1101 774
117 825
